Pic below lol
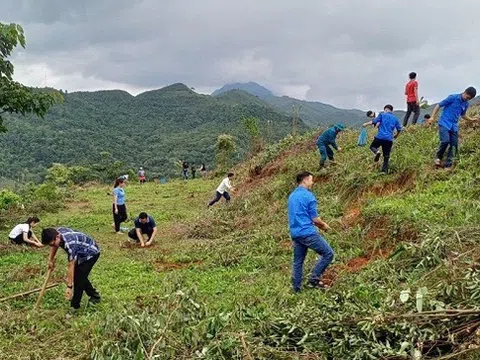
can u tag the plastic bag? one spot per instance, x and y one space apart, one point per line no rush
363 137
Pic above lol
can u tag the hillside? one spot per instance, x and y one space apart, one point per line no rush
216 285
154 130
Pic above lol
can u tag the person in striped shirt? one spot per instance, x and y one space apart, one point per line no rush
83 252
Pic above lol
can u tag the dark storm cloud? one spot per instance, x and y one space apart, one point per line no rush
351 54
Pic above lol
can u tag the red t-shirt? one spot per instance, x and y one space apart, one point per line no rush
410 90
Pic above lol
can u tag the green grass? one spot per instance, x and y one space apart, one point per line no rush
216 285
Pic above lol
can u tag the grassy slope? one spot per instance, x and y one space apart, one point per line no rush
216 285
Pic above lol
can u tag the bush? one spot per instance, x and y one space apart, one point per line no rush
8 198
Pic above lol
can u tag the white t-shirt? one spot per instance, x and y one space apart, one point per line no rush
18 230
224 186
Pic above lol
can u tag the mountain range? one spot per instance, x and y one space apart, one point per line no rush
154 129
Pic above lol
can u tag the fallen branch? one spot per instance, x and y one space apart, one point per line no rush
28 292
245 347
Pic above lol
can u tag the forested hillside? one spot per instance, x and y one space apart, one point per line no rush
154 130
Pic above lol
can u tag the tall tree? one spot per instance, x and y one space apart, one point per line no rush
225 150
15 97
252 126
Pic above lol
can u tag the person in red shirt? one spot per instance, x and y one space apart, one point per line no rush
413 104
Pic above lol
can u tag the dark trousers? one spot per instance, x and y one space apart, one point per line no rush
412 107
386 150
120 217
19 239
448 139
218 196
325 152
81 282
193 174
185 174
132 234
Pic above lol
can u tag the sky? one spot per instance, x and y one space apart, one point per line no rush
351 54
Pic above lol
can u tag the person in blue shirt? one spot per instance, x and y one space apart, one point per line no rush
144 225
454 107
119 208
303 220
325 140
386 123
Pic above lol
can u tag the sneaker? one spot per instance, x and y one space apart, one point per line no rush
317 285
94 300
438 163
377 156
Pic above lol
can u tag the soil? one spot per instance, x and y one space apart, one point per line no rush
162 266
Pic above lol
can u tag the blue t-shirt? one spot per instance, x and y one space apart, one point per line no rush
388 123
453 107
146 228
302 209
120 195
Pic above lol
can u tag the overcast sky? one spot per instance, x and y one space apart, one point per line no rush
349 53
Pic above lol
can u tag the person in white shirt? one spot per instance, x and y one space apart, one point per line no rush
23 233
223 189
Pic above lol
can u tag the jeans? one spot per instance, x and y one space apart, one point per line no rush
185 174
325 151
386 150
448 139
120 217
412 107
300 248
81 282
218 196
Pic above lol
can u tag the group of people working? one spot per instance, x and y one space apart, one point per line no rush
83 252
389 128
193 169
303 216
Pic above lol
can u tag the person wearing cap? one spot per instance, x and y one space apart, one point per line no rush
454 107
386 123
326 141
141 176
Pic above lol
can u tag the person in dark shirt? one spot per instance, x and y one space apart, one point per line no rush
193 169
83 252
144 225
185 170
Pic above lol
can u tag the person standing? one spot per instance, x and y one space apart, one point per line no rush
144 225
387 123
23 233
223 190
326 141
203 170
303 221
413 102
141 176
185 170
193 169
83 252
119 207
454 107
